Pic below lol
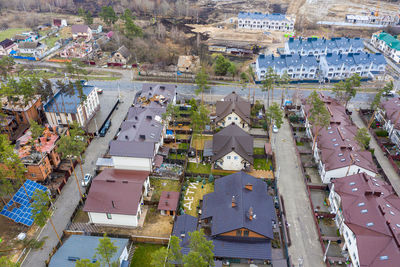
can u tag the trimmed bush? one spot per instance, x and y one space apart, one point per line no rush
381 133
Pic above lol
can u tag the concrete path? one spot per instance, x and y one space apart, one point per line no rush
69 198
383 161
303 234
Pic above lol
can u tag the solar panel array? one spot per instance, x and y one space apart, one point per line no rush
22 212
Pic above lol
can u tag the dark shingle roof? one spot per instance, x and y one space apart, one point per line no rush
79 28
233 138
242 250
132 149
6 43
184 224
225 218
233 103
124 52
29 45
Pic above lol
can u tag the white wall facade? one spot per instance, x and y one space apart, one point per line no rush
124 255
266 24
233 118
131 163
326 176
392 53
56 119
232 162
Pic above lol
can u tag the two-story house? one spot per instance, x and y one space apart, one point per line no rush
232 149
261 21
233 109
389 45
116 197
238 217
6 46
368 218
63 109
121 56
81 31
388 114
35 49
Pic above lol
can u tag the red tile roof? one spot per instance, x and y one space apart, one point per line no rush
392 110
168 201
46 145
116 192
371 210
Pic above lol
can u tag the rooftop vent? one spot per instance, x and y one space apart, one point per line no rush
134 126
370 224
250 214
136 118
112 202
142 136
364 211
126 137
361 204
352 183
149 117
383 258
162 87
233 201
342 159
354 189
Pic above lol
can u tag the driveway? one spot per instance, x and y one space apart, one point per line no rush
302 229
69 198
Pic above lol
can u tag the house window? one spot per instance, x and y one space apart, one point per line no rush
229 118
236 119
239 232
246 233
108 216
228 157
235 157
33 174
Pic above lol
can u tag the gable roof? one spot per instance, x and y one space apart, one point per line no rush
392 110
83 247
233 138
6 43
225 218
29 45
168 200
389 40
155 95
79 28
233 103
124 52
183 225
116 191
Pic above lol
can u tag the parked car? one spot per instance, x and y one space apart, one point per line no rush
99 90
105 128
390 93
87 179
275 129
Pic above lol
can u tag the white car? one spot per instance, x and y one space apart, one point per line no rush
275 129
86 180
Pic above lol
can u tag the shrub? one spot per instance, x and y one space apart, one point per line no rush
381 133
293 118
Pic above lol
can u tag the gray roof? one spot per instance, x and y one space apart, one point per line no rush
261 16
124 52
150 91
242 250
184 224
355 59
79 28
233 138
307 44
233 103
226 218
83 247
286 61
132 149
29 45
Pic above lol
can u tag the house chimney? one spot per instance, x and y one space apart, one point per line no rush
377 193
126 137
249 187
162 87
148 117
136 117
142 136
250 214
233 148
233 202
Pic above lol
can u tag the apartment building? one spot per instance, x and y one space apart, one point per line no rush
261 21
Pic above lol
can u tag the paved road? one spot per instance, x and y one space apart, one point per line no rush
68 200
383 161
304 236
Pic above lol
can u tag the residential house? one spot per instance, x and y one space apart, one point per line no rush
96 28
336 152
79 247
41 159
238 217
140 136
59 23
8 126
296 66
168 203
320 46
389 45
63 109
156 95
6 46
190 64
388 114
36 49
77 50
116 197
260 21
81 31
22 38
233 109
121 56
368 218
342 66
232 149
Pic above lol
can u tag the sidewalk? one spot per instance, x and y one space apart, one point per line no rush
303 234
383 161
69 198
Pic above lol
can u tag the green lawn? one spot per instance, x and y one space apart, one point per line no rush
50 41
198 141
163 185
198 168
258 151
142 255
182 136
194 192
183 146
9 33
176 156
262 164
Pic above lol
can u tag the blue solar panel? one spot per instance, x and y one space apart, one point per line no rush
23 213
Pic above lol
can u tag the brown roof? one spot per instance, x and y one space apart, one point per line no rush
6 43
79 28
124 52
392 110
29 45
233 138
371 210
233 103
116 191
168 201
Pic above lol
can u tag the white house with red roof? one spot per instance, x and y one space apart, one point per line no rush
388 114
368 217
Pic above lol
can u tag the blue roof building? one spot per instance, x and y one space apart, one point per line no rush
322 46
261 21
63 107
79 247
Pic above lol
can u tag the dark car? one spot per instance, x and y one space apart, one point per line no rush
105 128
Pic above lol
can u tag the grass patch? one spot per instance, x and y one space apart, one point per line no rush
163 185
221 172
198 168
51 41
9 33
182 136
81 217
176 156
142 255
262 164
194 193
198 141
183 146
258 151
298 143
